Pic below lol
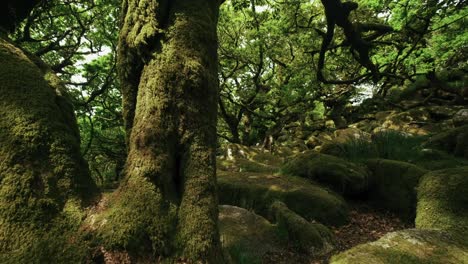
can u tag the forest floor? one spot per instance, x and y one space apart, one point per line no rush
366 224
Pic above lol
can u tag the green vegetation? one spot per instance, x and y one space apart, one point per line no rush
130 131
392 185
257 191
246 235
442 201
340 175
388 144
409 246
454 141
313 238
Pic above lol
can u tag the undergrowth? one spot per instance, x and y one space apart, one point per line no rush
395 145
389 144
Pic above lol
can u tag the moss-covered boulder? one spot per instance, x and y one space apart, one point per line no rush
409 246
453 141
443 201
250 238
331 148
461 117
258 191
246 236
340 175
407 121
310 237
351 133
434 159
393 185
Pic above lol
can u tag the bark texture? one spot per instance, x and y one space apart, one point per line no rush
44 182
168 67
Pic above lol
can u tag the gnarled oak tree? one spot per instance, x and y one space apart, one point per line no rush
167 204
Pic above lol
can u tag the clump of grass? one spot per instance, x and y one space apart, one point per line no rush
389 144
358 149
396 145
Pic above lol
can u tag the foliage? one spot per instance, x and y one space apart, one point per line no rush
78 40
265 70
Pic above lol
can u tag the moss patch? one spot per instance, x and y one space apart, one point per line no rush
137 220
247 236
44 181
258 191
409 246
393 185
239 158
310 237
443 200
454 141
342 176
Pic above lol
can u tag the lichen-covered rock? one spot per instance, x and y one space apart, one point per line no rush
344 135
313 141
461 118
409 246
407 121
453 141
258 191
441 112
393 185
366 125
340 175
442 201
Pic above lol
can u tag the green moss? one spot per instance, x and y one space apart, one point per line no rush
44 181
393 185
170 169
454 141
342 176
245 165
258 191
251 159
442 200
312 238
433 159
137 221
239 158
247 236
410 247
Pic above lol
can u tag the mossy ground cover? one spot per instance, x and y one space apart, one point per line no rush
245 236
454 141
340 175
249 238
45 184
443 200
257 191
410 246
392 185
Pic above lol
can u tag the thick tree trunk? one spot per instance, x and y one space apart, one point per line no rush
44 182
168 66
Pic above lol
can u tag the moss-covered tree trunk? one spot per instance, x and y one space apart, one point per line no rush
168 67
44 182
